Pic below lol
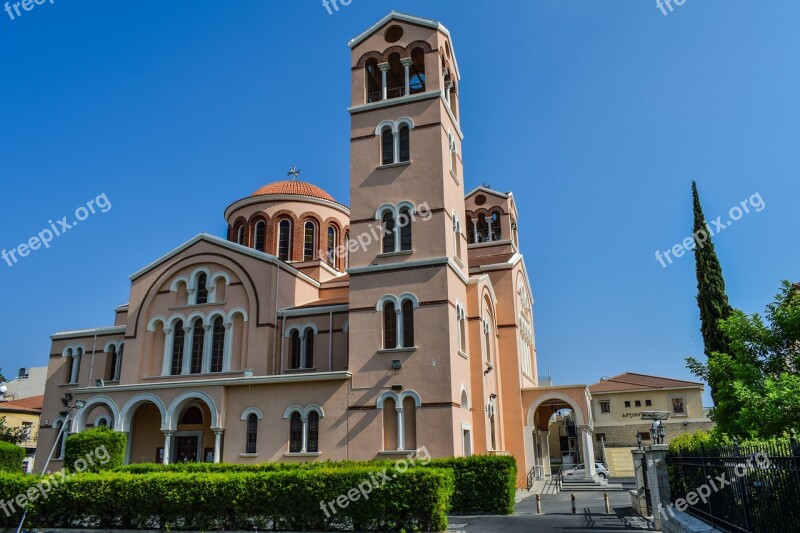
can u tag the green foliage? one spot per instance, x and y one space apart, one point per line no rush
412 500
11 486
690 441
11 457
711 297
483 484
95 450
760 374
13 435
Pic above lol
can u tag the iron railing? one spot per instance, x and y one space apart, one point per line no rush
748 489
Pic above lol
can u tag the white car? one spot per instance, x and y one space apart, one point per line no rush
580 471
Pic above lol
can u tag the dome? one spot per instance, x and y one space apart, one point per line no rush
295 187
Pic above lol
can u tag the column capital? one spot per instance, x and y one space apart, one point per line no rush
384 67
168 432
218 431
407 61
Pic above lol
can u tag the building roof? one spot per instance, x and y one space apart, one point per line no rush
490 259
294 187
341 300
630 381
28 405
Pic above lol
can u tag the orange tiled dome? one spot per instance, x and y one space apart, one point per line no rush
294 187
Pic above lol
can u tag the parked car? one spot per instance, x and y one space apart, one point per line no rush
580 471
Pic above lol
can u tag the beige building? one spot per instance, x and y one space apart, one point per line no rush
618 404
318 331
24 413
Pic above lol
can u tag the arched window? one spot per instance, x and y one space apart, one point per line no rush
313 432
217 345
492 429
388 232
399 420
192 416
408 324
483 229
202 290
495 227
102 422
387 144
252 433
373 80
260 236
309 348
404 222
178 338
454 156
70 363
309 241
296 433
240 234
405 144
457 235
295 348
115 363
487 340
198 338
389 326
470 231
417 71
285 240
462 328
332 234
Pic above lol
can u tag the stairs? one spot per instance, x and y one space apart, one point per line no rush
620 462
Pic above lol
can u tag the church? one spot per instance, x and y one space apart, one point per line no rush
314 331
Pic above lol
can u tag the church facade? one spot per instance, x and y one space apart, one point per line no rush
316 331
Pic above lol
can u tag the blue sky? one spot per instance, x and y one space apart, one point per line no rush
597 115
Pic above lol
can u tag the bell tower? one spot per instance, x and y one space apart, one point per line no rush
408 255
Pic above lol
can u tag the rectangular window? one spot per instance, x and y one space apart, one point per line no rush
648 403
678 407
605 407
627 404
638 403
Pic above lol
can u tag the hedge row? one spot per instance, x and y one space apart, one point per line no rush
95 450
414 500
11 457
483 484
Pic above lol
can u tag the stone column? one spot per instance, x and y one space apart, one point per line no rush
218 444
407 62
658 480
166 365
167 445
384 85
187 349
588 451
304 446
475 230
401 438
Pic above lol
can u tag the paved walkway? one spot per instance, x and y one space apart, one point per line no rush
557 516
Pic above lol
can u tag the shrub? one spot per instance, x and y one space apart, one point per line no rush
98 449
415 499
11 457
483 484
11 486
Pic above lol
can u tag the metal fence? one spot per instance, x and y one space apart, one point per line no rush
741 489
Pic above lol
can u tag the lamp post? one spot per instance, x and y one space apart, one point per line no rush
66 401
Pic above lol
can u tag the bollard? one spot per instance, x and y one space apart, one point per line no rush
573 504
538 504
608 504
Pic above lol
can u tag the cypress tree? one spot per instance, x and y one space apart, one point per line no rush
711 297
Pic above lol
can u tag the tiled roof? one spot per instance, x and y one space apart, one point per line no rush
295 187
34 403
339 279
631 381
326 302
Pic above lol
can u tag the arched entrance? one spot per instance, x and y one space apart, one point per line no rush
143 418
558 429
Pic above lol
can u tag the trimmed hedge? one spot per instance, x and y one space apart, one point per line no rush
11 457
11 486
483 484
414 500
95 450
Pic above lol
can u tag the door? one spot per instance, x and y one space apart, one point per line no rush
186 449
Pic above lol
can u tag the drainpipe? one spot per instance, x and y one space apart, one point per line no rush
91 361
330 343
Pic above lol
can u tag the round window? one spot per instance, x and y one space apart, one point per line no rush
480 199
394 34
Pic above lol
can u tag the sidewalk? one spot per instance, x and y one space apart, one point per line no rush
557 516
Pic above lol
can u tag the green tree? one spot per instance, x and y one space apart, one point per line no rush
711 297
13 435
759 375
